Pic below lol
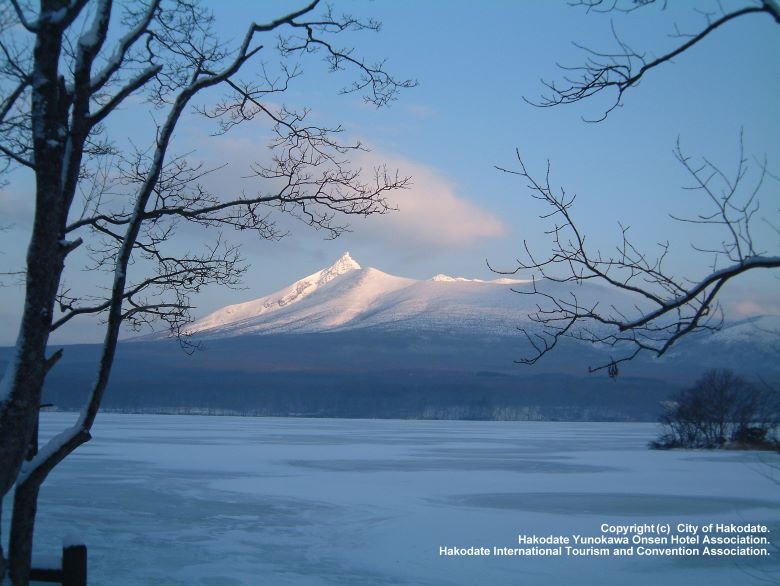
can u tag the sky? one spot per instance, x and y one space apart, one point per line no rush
477 65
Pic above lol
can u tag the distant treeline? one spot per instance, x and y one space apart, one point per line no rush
413 395
363 375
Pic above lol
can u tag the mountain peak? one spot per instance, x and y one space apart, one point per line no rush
344 264
283 298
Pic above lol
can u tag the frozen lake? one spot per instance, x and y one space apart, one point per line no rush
164 500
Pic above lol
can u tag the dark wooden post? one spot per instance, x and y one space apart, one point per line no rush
74 565
72 570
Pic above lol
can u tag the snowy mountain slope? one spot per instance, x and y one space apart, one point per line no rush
347 296
235 314
334 306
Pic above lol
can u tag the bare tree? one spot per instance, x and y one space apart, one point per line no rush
721 407
66 69
661 307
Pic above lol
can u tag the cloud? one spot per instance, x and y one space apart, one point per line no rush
431 212
752 308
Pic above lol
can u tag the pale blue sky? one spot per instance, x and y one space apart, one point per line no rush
474 63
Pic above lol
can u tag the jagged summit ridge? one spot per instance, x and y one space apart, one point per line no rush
344 264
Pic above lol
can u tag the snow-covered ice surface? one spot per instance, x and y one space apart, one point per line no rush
227 501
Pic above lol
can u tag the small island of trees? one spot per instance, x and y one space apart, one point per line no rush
721 410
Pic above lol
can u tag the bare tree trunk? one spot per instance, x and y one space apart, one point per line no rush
22 527
3 565
26 499
60 102
45 262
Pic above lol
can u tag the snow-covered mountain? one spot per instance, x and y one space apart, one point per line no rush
349 341
346 296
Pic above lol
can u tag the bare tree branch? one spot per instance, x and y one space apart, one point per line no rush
22 18
625 67
657 308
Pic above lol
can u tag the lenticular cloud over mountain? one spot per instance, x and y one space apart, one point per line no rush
347 296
